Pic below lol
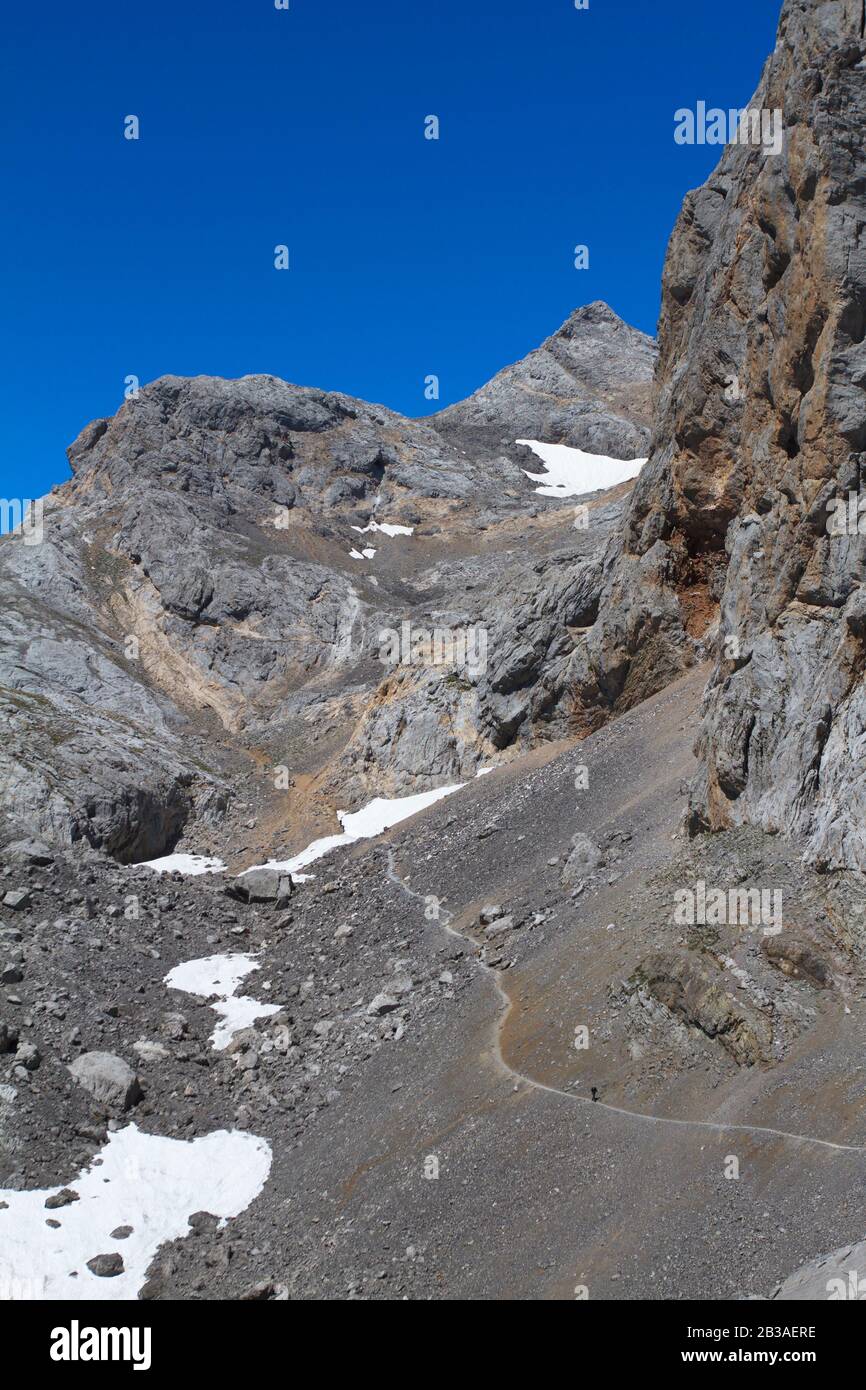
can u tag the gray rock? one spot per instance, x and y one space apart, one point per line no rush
108 1079
30 852
490 913
265 1292
17 899
382 1004
106 1266
28 1056
500 927
587 386
760 427
262 886
583 860
174 1025
838 1277
149 1051
206 606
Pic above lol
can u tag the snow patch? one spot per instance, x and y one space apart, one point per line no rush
220 976
374 818
383 812
145 1181
388 528
366 554
184 864
573 473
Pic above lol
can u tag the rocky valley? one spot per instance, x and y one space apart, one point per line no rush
432 850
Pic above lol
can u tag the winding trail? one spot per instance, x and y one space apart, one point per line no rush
507 1002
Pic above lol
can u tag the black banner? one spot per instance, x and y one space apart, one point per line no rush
79 1339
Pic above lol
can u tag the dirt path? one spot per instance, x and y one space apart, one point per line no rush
507 1003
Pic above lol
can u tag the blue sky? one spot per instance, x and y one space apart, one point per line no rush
305 127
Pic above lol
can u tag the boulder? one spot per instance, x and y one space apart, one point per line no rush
382 1004
106 1266
29 852
108 1079
585 857
262 886
499 927
18 899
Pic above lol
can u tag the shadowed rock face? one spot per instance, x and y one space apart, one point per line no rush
760 422
194 616
588 386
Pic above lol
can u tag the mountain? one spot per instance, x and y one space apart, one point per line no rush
208 601
590 1026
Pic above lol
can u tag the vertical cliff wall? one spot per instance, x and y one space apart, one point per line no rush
760 423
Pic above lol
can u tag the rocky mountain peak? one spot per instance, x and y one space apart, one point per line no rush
587 386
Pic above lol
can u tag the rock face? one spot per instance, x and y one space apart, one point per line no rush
588 386
208 602
760 424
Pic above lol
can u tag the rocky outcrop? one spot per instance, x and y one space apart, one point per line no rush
839 1277
760 424
688 992
588 386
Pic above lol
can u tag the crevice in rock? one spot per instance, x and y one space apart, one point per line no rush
852 320
747 746
787 438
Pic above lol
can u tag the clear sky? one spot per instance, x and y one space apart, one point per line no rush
305 127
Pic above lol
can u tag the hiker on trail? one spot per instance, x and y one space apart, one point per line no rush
595 1093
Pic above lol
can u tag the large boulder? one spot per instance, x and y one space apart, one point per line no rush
262 886
108 1079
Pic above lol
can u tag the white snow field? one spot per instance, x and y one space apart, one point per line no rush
572 473
150 1183
221 975
366 554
